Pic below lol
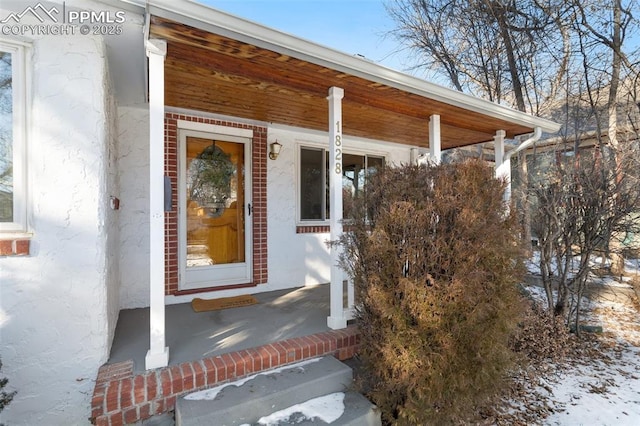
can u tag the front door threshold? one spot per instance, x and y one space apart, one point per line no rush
185 292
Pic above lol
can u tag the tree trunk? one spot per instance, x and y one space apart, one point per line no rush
615 243
511 56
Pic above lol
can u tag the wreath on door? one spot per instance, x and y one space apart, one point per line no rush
209 180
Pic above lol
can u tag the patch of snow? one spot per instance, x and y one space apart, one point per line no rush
598 260
619 319
533 263
632 266
327 408
211 393
603 390
537 293
610 281
600 393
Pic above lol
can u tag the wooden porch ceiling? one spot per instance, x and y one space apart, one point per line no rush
217 74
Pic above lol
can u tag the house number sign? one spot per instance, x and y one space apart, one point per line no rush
337 145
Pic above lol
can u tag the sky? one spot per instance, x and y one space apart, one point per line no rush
355 27
351 26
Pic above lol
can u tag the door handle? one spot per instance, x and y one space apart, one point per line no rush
249 208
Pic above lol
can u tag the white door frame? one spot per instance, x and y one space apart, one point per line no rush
226 274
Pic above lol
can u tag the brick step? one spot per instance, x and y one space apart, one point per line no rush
246 401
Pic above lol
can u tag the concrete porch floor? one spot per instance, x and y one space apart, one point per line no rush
190 335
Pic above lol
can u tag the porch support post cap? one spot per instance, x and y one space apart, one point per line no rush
335 93
156 46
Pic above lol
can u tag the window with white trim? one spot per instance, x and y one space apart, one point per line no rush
314 180
13 214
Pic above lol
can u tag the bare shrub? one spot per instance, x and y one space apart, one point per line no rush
587 206
435 265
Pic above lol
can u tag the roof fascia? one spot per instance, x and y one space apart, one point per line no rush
219 22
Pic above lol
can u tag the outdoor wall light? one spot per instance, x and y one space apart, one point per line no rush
274 150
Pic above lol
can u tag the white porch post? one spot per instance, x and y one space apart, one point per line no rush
498 148
435 150
502 163
158 354
336 319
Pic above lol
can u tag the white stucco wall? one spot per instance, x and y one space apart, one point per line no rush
303 259
133 164
55 321
107 208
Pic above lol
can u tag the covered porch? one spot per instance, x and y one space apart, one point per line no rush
211 63
278 315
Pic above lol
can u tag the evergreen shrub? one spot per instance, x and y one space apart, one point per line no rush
435 263
5 397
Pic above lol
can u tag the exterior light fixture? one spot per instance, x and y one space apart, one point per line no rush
274 150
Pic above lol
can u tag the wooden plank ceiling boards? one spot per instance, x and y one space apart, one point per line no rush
217 74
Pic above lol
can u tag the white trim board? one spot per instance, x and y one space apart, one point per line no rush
215 129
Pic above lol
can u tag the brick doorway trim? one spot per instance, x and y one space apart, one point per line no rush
259 204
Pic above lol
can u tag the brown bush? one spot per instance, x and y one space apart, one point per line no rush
435 265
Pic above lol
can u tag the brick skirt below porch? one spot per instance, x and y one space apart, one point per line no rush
122 397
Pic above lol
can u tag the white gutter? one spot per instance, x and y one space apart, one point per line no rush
218 22
503 170
145 32
537 133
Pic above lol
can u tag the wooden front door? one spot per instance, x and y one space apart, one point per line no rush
215 215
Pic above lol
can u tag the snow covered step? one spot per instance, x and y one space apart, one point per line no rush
247 400
337 409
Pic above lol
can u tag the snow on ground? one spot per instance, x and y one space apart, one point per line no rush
632 267
533 264
599 392
619 317
602 386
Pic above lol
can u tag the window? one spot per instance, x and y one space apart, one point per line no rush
314 180
12 138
